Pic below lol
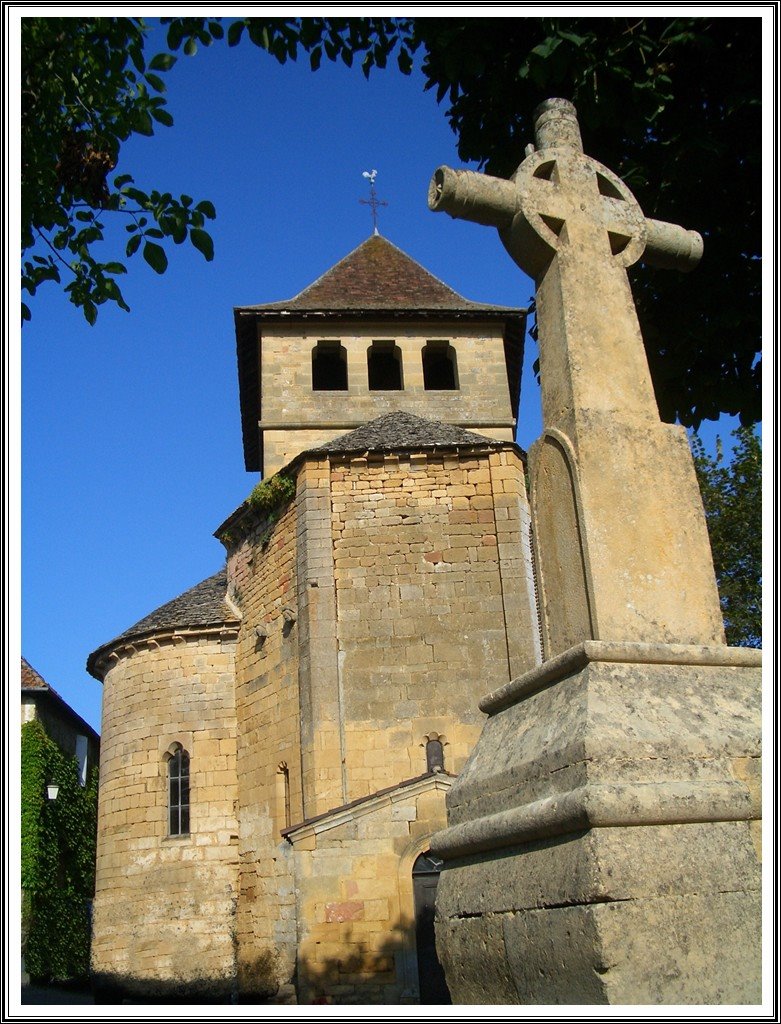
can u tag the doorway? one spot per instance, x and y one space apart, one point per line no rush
431 976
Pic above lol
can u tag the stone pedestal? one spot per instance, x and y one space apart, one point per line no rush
603 840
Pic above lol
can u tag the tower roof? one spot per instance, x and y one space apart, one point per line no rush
377 276
202 606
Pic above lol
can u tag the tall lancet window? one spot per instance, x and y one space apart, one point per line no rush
179 792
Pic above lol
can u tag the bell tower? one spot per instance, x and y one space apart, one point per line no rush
376 334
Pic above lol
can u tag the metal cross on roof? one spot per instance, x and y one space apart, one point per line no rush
372 201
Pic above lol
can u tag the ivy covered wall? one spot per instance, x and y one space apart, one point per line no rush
57 858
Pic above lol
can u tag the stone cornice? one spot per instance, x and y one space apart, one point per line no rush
599 806
576 658
105 657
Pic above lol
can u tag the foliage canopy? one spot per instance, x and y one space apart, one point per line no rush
732 497
671 104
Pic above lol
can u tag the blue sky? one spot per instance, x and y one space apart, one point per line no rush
131 438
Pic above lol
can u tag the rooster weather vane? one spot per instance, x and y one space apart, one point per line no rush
372 201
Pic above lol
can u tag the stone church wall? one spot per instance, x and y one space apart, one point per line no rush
165 905
375 613
262 583
429 572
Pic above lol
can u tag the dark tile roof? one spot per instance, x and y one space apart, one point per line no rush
401 430
200 606
378 276
32 680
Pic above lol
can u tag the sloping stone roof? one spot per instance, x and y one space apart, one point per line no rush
378 276
202 606
402 430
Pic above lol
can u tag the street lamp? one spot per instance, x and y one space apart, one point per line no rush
52 791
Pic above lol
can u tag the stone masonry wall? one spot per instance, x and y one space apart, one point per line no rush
481 402
262 583
165 905
430 578
355 897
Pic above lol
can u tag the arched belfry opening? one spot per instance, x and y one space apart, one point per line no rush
431 976
385 371
440 367
329 366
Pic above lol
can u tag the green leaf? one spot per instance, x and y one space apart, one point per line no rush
156 258
206 208
235 31
114 268
133 245
202 242
191 47
163 117
143 123
404 61
122 179
175 33
315 57
155 82
90 313
544 49
162 61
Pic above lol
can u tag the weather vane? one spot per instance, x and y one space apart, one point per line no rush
372 201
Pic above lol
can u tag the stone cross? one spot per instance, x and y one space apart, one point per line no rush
621 541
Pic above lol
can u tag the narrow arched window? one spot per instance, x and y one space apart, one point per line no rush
385 372
329 366
440 369
435 756
179 792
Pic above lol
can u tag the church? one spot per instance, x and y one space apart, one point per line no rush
278 741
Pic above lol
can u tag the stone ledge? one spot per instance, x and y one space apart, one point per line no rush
573 660
598 806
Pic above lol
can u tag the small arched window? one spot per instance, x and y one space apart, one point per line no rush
440 369
435 755
179 792
329 366
385 366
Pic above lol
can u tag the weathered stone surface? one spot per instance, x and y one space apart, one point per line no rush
560 807
614 723
654 951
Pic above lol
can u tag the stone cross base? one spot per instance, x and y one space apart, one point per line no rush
603 844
